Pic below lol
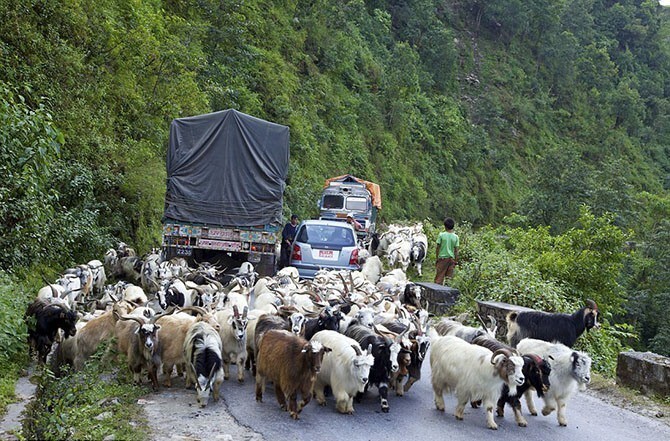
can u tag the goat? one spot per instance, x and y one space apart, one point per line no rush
43 320
535 372
91 334
233 334
143 349
563 328
372 269
399 252
134 294
202 349
295 323
345 369
292 364
99 276
328 318
411 295
418 251
173 334
386 359
473 373
570 370
451 327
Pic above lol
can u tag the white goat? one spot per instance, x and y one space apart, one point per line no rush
570 370
473 373
233 334
346 369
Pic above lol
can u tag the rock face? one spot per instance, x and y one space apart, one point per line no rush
440 298
499 311
645 371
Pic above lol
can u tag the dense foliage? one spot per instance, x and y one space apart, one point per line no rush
87 405
474 109
529 267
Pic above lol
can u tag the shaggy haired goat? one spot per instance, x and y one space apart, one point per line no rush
563 328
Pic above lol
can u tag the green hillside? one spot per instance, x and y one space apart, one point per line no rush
508 111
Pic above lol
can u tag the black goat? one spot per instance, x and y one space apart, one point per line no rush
562 328
380 372
43 320
411 295
535 372
328 319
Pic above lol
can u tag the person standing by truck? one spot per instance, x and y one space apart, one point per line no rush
287 237
446 253
354 223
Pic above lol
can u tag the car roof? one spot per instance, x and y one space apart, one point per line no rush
341 223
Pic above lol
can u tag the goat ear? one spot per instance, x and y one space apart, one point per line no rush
157 327
327 349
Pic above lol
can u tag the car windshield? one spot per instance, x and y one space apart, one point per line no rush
327 235
357 204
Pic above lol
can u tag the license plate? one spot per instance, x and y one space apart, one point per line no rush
184 251
325 254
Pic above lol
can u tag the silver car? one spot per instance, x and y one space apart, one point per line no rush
322 244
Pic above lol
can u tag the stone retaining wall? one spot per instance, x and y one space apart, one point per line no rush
440 298
644 371
499 311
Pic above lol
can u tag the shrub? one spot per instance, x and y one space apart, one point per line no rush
94 403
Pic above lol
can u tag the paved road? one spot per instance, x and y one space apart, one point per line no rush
412 417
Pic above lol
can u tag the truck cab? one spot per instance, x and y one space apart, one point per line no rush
347 194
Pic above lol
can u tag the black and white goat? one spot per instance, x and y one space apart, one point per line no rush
562 328
385 353
204 367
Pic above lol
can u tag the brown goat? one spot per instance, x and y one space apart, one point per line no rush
291 363
172 335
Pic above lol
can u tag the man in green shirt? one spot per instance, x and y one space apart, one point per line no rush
446 254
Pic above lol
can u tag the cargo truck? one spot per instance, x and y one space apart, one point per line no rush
226 175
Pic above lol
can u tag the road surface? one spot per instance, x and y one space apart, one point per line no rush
173 414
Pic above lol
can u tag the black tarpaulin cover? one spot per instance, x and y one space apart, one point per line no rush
226 168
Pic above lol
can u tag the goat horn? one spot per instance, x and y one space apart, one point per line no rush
591 304
346 290
211 375
481 320
236 312
128 317
358 350
503 351
168 311
200 310
245 311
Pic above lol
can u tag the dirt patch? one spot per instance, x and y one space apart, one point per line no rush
608 391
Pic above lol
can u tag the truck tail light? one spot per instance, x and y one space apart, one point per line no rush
297 254
353 260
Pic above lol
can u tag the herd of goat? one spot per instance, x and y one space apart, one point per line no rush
346 331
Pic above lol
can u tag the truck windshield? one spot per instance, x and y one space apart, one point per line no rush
357 204
333 201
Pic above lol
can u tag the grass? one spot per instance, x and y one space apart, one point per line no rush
10 374
97 402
